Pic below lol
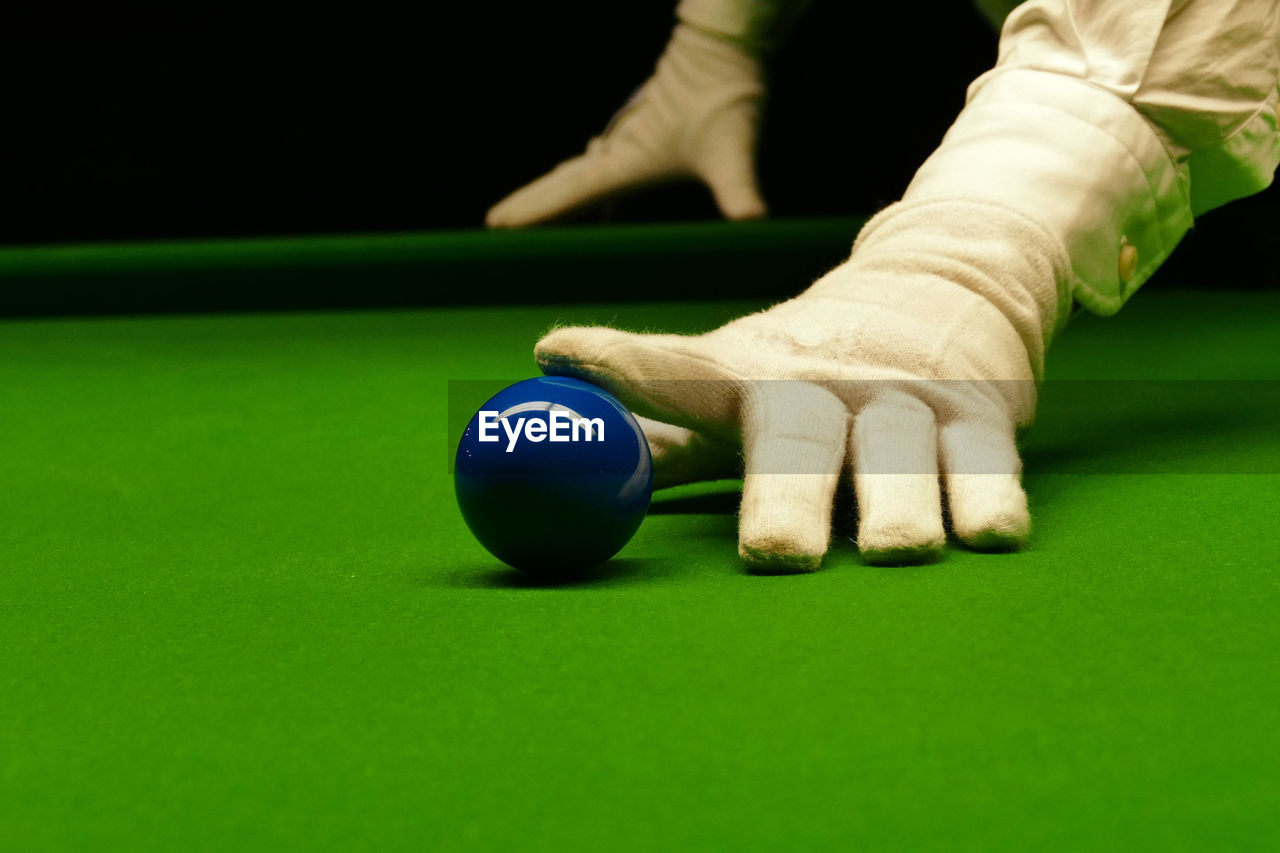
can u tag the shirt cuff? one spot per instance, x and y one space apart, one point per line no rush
1077 160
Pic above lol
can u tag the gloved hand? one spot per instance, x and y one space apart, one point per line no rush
698 116
908 368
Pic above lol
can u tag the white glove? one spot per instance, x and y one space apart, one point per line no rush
698 116
915 359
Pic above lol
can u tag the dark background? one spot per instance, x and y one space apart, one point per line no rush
425 124
405 125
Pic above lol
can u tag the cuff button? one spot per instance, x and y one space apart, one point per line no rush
1128 265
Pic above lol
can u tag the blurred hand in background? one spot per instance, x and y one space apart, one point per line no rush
696 118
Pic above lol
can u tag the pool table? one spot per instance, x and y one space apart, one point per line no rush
239 609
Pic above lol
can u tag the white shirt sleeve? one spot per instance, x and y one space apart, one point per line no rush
1111 125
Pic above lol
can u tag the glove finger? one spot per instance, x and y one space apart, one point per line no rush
793 436
728 166
895 478
601 172
984 493
665 377
683 456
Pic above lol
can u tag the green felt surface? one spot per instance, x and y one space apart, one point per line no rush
238 609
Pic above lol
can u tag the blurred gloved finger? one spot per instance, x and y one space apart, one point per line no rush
728 164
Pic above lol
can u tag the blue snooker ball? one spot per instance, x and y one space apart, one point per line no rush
553 475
